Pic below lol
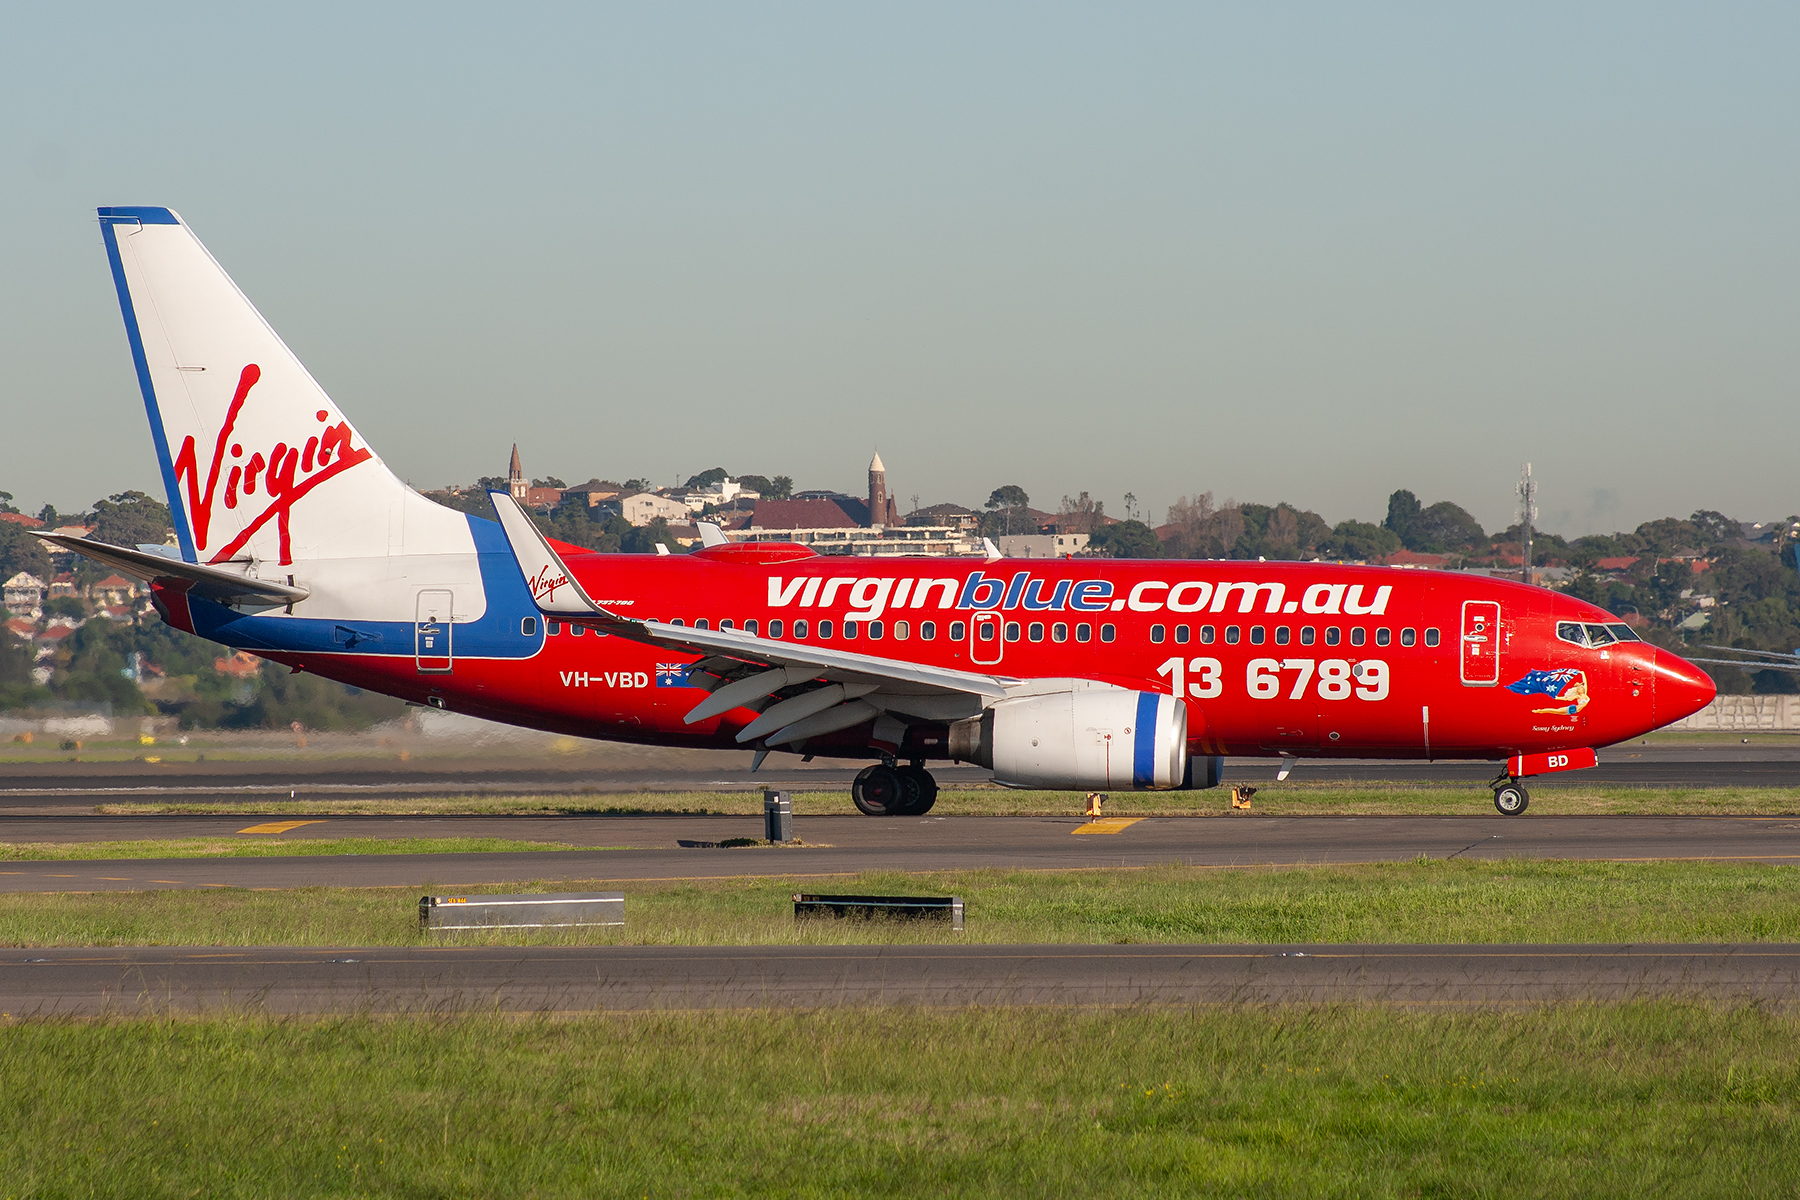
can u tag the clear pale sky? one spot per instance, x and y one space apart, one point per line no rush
1278 252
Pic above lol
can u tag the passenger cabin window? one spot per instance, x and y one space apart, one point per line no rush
1107 633
902 631
678 621
1035 631
774 629
552 628
1206 635
1157 633
702 624
750 625
1181 635
1282 633
575 631
1383 636
1232 634
1431 637
528 626
1358 636
1307 635
1084 632
1332 635
1059 632
824 629
799 629
985 631
875 629
958 631
1256 635
927 631
725 624
1012 631
1408 637
849 629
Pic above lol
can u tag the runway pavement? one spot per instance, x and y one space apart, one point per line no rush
674 848
564 979
76 786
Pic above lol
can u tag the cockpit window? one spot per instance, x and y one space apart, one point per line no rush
1570 631
1599 635
1624 634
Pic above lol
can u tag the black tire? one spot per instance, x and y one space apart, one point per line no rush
1511 799
878 792
921 791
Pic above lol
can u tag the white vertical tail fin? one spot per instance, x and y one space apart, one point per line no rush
257 461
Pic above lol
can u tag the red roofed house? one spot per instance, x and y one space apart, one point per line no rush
1412 558
1615 564
21 519
239 664
22 628
113 590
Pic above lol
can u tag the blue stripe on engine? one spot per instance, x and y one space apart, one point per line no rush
1143 756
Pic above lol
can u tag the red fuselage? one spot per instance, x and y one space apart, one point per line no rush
1307 659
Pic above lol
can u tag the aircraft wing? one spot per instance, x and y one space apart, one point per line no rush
743 670
213 582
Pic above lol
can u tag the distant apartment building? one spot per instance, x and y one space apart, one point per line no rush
1042 545
644 508
24 595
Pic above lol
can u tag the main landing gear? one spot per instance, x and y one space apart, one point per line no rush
1510 797
887 790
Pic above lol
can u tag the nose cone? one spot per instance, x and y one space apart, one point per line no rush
1682 689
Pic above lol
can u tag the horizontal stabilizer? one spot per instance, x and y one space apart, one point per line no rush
222 584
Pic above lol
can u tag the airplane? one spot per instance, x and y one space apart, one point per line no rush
295 542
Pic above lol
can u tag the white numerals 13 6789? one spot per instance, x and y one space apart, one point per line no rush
1336 678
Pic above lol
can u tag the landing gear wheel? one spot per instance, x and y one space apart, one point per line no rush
1511 799
878 792
919 790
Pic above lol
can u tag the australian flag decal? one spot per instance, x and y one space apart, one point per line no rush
1543 683
673 674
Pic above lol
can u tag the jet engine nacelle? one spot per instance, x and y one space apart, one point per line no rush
1105 739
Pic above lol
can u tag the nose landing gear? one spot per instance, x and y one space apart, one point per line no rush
1511 798
893 791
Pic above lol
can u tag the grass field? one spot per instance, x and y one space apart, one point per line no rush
1653 1099
1423 901
1274 799
264 847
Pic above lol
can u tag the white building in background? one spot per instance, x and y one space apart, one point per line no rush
723 492
643 508
24 595
1042 545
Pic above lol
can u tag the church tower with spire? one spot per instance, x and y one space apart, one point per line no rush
515 477
881 506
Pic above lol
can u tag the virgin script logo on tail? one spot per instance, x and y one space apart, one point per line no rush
285 474
543 587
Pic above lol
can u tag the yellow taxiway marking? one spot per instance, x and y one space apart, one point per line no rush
1107 825
278 826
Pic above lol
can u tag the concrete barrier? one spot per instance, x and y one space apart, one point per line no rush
1745 714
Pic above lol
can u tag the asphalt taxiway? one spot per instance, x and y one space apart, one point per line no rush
82 982
80 786
625 849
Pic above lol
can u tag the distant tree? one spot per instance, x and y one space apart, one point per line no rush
1715 528
6 504
493 483
131 518
1442 527
549 481
19 551
1668 536
780 488
1361 541
1081 514
636 485
1403 509
65 606
1126 539
706 479
1005 503
50 517
643 539
755 483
